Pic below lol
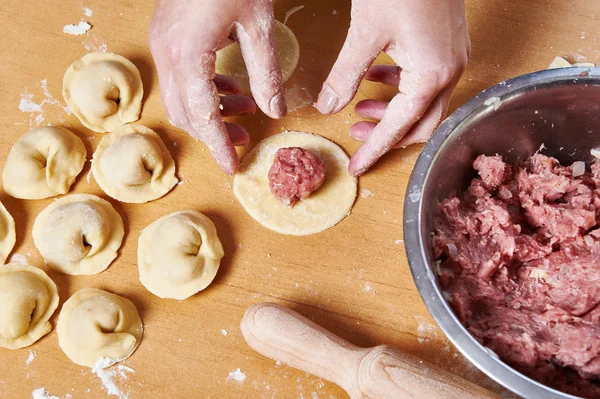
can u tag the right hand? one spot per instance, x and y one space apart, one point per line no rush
184 37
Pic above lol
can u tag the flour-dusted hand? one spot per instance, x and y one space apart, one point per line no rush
429 41
184 37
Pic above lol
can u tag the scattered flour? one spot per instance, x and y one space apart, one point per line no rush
334 12
41 393
94 44
26 104
87 11
30 358
415 193
107 376
18 258
365 193
224 332
398 242
425 330
79 29
237 375
367 287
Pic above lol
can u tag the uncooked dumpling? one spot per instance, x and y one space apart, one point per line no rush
179 254
7 233
231 63
43 163
95 324
104 90
132 164
79 234
323 209
28 299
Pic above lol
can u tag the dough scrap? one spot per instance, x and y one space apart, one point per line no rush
323 209
97 324
43 163
560 62
104 90
8 234
231 63
133 165
79 234
179 254
29 298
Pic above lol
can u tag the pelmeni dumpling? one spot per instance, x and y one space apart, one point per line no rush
95 324
79 234
43 163
179 254
28 299
8 234
132 164
104 90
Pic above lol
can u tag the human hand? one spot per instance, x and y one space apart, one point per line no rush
429 41
184 37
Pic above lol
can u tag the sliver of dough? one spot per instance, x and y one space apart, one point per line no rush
230 62
323 209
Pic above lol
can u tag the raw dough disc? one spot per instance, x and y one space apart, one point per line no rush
29 298
179 255
94 325
7 233
78 234
323 209
231 63
104 90
43 163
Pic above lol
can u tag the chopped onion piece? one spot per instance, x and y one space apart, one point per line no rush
290 12
595 152
452 250
589 240
504 193
578 168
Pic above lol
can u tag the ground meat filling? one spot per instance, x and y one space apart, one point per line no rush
295 174
519 260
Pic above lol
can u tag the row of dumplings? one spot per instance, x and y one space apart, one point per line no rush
80 234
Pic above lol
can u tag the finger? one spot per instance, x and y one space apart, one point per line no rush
227 85
374 109
257 42
201 101
237 134
341 85
436 113
361 130
406 108
237 105
386 74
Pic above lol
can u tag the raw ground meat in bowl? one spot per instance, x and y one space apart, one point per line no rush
529 224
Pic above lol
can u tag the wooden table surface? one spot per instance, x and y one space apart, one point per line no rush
353 279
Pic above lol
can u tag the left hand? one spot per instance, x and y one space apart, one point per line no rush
429 41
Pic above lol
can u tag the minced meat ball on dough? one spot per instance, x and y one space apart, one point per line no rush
295 174
519 256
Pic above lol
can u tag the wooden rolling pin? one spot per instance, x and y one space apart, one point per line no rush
380 372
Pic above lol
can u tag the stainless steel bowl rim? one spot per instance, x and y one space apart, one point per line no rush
422 272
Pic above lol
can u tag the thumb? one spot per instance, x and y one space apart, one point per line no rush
357 54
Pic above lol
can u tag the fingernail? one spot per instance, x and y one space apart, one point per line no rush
277 106
328 100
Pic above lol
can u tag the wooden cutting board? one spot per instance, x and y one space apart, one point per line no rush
352 279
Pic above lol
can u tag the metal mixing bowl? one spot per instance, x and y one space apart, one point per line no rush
557 110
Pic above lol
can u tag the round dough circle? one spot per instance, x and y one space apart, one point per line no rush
8 234
132 164
231 63
29 298
179 254
95 324
43 163
79 234
323 209
104 90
